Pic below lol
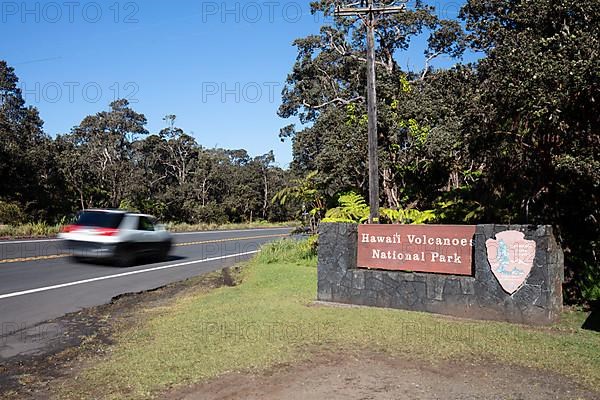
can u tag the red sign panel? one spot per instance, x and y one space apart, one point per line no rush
443 249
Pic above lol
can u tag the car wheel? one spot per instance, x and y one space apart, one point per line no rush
163 253
77 259
124 257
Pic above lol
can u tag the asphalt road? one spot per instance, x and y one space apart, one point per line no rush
38 282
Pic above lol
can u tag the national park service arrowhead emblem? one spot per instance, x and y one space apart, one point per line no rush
511 258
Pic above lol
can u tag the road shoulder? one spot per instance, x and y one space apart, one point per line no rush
33 356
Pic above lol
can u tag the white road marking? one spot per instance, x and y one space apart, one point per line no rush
103 278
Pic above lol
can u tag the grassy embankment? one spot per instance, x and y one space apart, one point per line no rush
38 230
269 319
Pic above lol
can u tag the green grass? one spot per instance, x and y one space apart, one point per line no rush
269 319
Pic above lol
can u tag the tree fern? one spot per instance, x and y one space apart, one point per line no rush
353 208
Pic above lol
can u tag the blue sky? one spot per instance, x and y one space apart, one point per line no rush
218 65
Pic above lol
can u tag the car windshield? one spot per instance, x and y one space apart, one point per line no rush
99 219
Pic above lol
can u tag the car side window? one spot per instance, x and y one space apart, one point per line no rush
144 224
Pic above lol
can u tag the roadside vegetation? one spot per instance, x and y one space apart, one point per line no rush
42 229
184 227
31 230
270 318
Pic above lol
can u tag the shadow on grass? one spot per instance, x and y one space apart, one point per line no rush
592 323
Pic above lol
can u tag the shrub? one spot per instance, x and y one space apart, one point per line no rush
128 205
211 213
11 214
299 251
29 230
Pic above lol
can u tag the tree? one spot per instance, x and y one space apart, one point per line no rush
23 146
326 89
263 164
73 165
307 196
106 142
108 160
180 150
536 128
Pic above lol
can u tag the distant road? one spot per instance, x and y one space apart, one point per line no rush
38 282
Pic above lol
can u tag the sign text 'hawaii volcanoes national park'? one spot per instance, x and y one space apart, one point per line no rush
443 249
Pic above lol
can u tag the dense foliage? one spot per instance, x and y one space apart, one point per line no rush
511 138
110 160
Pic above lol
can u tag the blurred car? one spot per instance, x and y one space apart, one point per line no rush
115 235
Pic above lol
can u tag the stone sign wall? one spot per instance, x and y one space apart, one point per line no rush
517 275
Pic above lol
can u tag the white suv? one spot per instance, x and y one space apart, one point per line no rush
116 235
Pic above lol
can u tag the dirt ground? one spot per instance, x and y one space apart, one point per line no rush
378 377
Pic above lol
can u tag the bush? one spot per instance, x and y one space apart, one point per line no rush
211 213
11 214
587 278
128 205
29 230
155 207
591 288
300 251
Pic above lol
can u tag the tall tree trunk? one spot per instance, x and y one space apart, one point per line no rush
390 189
81 199
266 195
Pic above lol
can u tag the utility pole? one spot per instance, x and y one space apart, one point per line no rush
369 11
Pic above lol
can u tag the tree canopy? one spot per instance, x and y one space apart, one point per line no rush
110 160
511 138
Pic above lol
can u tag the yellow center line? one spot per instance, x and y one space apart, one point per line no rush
38 258
56 256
